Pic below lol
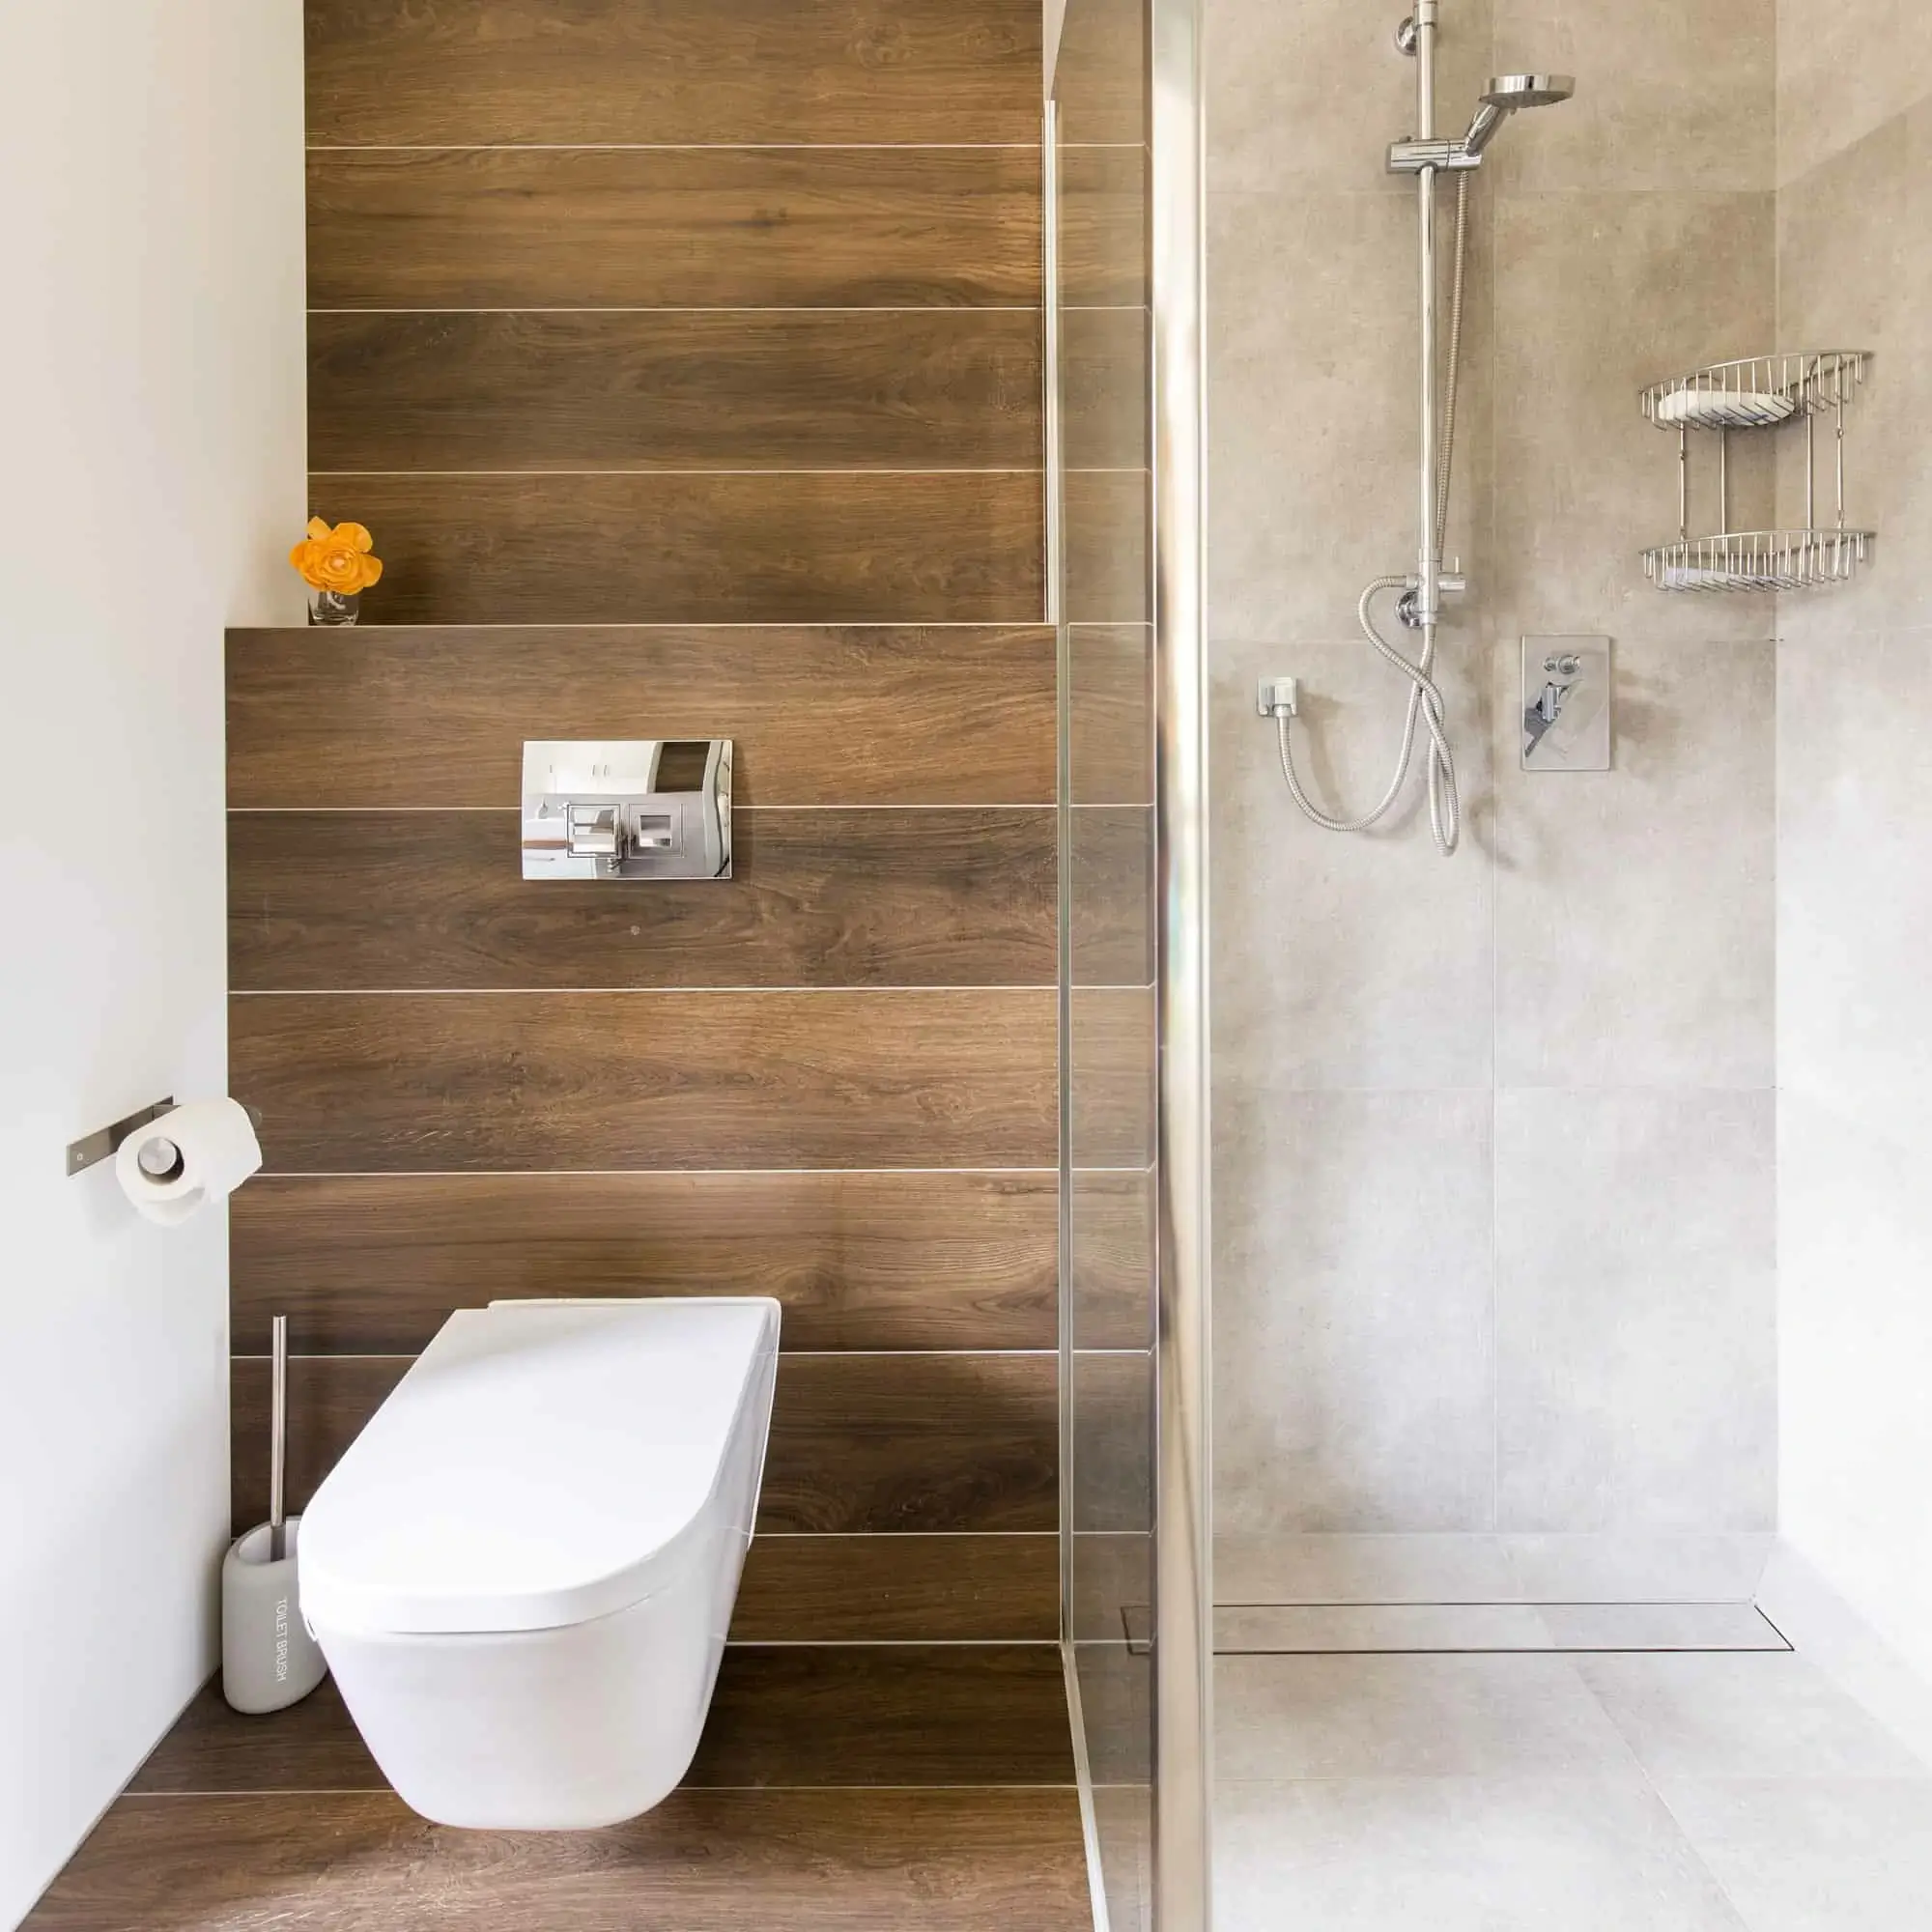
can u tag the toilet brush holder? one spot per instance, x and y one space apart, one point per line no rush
268 1660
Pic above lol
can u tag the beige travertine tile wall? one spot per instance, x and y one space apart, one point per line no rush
1854 850
1495 1135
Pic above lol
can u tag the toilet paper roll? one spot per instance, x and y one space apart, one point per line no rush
174 1166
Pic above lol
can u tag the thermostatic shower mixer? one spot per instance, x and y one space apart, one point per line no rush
639 808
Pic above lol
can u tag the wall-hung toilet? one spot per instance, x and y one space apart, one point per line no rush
522 1571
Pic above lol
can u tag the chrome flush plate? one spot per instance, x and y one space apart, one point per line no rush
1564 710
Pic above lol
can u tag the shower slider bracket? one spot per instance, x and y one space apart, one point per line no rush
1412 157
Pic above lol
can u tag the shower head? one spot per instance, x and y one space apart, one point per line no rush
1509 93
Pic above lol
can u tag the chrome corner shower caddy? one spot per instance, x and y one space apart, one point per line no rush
1428 156
1759 392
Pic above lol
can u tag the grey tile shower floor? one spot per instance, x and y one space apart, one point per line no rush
1720 1792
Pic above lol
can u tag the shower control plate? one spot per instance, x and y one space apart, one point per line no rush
1565 704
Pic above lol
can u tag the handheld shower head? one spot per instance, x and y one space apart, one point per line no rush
1509 93
1512 91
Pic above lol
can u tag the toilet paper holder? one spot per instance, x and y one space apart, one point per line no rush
106 1141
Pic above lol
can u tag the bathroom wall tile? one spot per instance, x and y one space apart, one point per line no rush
1855 1333
947 717
373 1263
1410 1716
878 1443
1598 295
1855 901
1670 94
1597 1854
1348 961
1113 1427
1352 1285
899 1589
1843 68
1310 407
1455 1567
1766 1714
1635 906
485 73
1635 1310
1853 272
1637 1566
1310 95
1814 1853
812 1860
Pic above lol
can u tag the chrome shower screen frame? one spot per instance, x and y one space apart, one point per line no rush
1123 462
1183 1477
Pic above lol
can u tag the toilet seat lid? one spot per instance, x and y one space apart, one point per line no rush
537 1466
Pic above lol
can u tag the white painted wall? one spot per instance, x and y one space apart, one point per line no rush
151 480
1853 881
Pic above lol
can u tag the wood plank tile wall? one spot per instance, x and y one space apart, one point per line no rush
685 361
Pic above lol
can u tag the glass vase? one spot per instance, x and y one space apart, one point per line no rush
334 607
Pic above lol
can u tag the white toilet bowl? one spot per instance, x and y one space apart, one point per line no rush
522 1571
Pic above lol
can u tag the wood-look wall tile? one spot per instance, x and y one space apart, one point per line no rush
402 1083
1103 227
913 1442
1107 546
1105 388
809 1860
1113 1418
1113 895
1099 76
919 1444
885 1589
687 228
821 716
373 1263
901 1713
1111 1050
794 1716
1110 711
939 388
781 547
341 900
1111 1235
460 72
311 1747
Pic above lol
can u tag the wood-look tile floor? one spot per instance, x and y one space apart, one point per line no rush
866 1788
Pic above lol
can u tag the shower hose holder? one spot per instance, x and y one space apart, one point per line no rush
1757 393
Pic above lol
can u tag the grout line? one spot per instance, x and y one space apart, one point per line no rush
1142 807
682 147
786 1356
677 627
628 1173
627 992
387 1792
740 812
764 470
963 309
679 990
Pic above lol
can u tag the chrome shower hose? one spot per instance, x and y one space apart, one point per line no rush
1425 700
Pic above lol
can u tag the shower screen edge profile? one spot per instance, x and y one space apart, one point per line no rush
1183 1363
1427 155
1124 460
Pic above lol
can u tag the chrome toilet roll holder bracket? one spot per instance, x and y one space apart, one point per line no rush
104 1142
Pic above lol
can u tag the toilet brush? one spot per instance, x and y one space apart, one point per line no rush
278 1434
268 1660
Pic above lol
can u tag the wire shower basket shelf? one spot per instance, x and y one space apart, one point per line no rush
1759 392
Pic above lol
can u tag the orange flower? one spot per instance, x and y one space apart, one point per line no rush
336 559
